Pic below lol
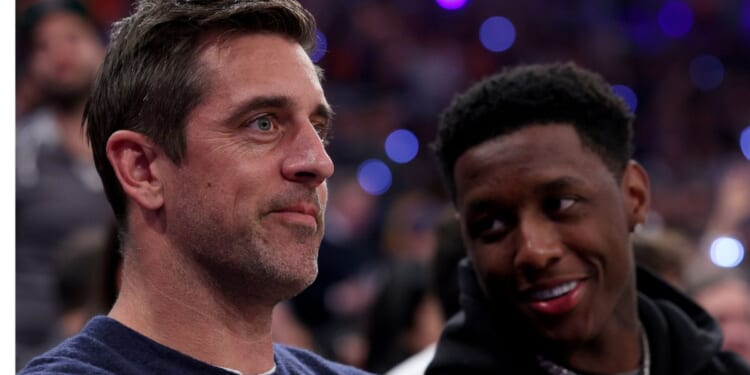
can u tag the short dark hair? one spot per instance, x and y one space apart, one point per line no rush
150 80
536 94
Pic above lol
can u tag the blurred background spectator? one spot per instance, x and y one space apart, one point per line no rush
449 250
664 252
58 193
726 296
391 66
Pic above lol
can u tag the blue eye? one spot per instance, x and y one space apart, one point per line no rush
262 123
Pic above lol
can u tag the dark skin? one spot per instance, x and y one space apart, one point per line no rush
547 226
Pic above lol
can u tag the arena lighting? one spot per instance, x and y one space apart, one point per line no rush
401 146
321 46
628 95
374 177
451 4
726 252
675 18
497 34
745 142
706 72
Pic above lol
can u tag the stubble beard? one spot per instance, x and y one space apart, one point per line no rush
246 264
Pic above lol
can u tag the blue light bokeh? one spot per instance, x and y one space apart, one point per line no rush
745 142
641 27
628 95
374 176
401 146
706 72
321 46
451 4
727 252
675 19
497 34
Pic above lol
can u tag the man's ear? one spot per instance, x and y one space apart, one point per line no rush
132 156
635 188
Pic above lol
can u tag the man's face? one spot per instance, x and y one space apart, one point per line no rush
66 55
547 227
246 204
729 303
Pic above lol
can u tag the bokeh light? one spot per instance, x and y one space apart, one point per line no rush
401 146
628 95
745 142
643 29
374 176
726 252
497 34
451 4
706 72
675 18
321 46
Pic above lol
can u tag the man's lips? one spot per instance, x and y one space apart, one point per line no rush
303 214
553 298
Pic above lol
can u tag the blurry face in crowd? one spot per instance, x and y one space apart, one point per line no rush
246 204
547 226
66 55
729 303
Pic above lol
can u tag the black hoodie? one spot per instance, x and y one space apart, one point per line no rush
683 338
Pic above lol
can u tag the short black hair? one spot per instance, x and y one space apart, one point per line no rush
150 80
536 94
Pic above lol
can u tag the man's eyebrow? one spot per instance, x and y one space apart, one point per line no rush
325 111
257 103
559 184
274 102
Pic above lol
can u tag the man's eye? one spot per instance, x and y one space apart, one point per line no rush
559 205
322 130
488 229
262 123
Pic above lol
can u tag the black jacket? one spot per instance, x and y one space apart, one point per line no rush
683 338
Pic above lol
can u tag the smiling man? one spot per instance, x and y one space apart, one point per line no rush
208 126
537 160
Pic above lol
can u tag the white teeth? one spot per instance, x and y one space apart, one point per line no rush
554 292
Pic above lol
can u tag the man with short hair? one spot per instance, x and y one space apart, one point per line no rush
58 193
538 162
208 126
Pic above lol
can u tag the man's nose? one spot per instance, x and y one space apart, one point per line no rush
307 161
538 245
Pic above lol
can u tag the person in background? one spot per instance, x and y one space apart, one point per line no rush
58 193
443 283
538 162
208 126
664 252
726 296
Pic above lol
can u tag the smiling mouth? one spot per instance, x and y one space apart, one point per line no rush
558 299
555 292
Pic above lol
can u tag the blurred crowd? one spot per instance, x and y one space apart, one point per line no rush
385 285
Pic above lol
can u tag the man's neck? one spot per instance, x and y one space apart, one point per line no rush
173 307
617 350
